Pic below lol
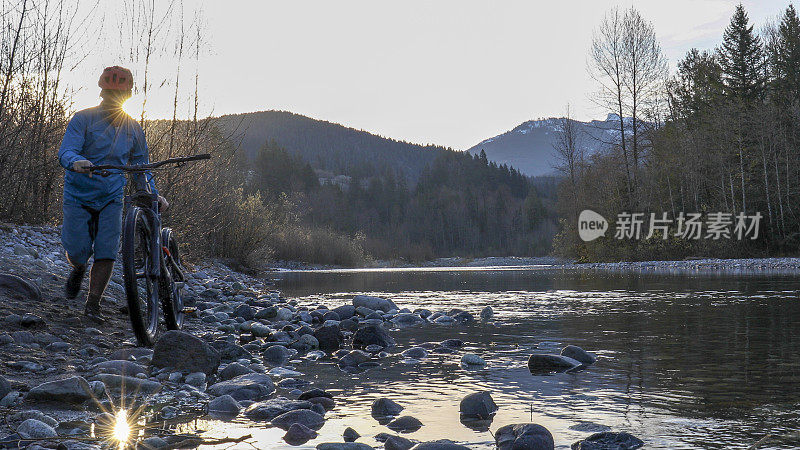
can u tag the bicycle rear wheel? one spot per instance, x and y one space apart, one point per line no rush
140 288
172 285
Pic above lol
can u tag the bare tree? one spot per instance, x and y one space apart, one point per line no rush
570 155
607 66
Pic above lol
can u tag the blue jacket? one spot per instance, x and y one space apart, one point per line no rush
90 135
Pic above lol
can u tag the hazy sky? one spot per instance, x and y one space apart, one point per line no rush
444 72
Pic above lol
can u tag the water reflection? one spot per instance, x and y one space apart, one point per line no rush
684 361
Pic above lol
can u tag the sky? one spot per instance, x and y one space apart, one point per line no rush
445 72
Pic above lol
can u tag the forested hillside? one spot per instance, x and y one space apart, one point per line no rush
327 145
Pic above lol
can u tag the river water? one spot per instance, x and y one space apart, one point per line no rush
684 361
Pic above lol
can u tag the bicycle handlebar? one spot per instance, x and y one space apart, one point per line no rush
104 168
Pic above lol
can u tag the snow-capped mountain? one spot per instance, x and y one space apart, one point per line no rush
529 146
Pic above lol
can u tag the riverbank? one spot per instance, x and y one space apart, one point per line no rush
739 266
64 378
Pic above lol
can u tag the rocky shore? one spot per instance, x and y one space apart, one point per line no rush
64 380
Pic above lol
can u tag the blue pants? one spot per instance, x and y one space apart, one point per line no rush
86 231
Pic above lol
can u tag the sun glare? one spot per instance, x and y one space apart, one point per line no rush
122 429
133 108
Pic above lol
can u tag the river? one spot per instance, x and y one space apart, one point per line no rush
684 361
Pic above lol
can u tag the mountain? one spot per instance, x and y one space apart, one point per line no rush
329 146
529 146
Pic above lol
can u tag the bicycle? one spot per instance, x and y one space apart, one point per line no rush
151 263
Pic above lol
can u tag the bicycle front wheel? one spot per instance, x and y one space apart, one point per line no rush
140 288
173 284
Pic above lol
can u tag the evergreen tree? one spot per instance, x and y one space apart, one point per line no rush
741 58
786 58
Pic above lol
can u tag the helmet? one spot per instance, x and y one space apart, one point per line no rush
116 78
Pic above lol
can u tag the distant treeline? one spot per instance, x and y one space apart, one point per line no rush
461 205
720 135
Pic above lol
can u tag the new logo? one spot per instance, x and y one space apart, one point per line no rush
591 225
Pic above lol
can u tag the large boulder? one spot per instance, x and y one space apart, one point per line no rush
478 405
185 352
578 354
372 335
329 337
251 386
272 408
524 436
304 417
18 288
374 303
541 363
69 390
609 441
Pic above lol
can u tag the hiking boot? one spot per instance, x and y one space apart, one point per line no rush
73 285
92 308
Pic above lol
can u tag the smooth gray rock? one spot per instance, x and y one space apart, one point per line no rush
374 303
251 386
304 417
343 446
5 387
397 443
405 424
471 359
224 406
541 363
276 355
350 435
34 429
372 335
184 351
609 441
407 320
478 405
299 434
329 337
233 370
486 314
415 352
354 358
128 368
72 390
443 444
153 442
383 407
196 379
19 288
129 385
578 354
345 311
524 436
272 408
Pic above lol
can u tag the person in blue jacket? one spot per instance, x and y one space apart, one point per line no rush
104 134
